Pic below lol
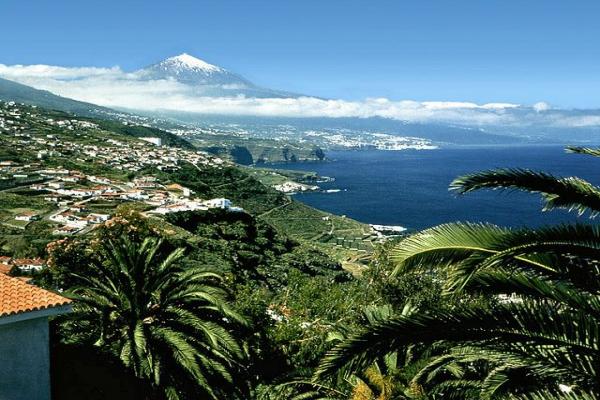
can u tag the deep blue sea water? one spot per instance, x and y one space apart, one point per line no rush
410 188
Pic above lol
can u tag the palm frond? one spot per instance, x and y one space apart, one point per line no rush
583 150
571 193
171 326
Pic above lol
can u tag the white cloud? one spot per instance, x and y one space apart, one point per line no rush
112 87
584 121
541 106
18 72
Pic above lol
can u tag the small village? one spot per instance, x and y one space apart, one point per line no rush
76 202
23 124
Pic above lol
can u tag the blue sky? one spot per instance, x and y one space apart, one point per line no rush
494 50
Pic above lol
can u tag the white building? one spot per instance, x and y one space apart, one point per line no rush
28 216
56 185
98 218
29 264
218 203
154 140
178 207
66 230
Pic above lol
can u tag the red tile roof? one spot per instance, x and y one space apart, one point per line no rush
18 297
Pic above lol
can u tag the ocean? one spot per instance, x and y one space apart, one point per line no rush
410 188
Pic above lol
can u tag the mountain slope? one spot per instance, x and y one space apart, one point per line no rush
207 79
193 71
13 91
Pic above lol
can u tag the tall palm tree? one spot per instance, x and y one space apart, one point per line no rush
170 325
542 339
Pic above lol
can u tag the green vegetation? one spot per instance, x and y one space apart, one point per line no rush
252 150
138 131
169 325
293 218
23 238
291 295
256 249
270 177
536 340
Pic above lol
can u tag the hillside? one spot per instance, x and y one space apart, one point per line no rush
13 91
69 184
140 131
35 139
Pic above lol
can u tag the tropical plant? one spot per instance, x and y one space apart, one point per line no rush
170 325
542 339
386 378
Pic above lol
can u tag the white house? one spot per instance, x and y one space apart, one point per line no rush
69 218
98 179
98 218
56 185
178 207
66 230
154 140
218 203
29 264
28 216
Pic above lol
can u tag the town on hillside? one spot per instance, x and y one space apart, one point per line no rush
73 201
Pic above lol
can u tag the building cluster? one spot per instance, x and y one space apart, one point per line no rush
291 187
23 265
72 193
355 139
84 141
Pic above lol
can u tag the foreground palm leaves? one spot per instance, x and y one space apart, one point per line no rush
542 338
170 325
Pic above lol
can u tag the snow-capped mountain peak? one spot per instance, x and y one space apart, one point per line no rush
204 78
187 61
193 71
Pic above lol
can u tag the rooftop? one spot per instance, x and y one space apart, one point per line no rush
17 297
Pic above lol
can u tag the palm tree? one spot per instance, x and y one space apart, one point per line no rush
170 325
542 339
386 378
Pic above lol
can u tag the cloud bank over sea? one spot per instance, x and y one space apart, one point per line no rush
113 87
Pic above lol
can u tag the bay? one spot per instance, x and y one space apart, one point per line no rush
410 188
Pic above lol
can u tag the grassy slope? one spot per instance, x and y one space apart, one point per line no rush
168 139
345 239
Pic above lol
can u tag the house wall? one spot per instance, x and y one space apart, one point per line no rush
25 360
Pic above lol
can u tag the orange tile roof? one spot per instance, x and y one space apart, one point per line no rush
18 297
5 268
